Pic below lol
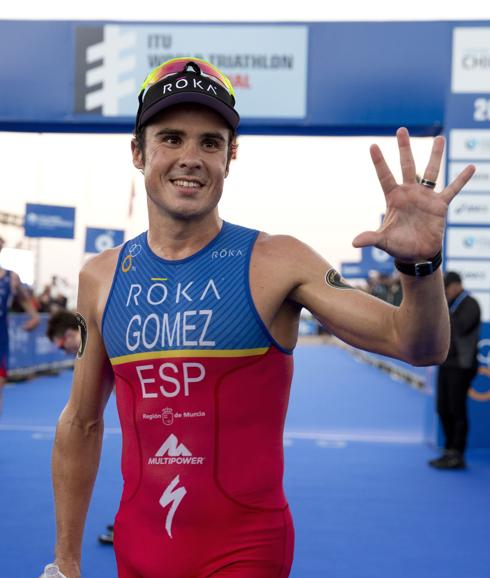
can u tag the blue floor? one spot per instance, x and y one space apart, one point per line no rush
364 501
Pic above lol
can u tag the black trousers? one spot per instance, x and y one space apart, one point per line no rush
452 391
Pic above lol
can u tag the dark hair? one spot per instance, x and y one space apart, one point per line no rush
59 322
451 277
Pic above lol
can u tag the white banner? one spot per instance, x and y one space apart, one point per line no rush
468 242
474 274
468 209
267 65
473 145
471 60
480 181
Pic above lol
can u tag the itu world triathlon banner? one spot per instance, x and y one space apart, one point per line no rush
113 60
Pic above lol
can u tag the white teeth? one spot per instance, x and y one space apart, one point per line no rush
189 184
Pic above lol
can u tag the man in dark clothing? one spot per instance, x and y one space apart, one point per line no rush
456 373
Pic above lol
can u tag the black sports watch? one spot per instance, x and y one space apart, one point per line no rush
421 269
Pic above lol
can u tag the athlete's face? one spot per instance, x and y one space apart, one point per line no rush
69 342
185 161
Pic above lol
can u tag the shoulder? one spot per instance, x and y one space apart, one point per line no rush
95 281
284 247
102 265
472 302
14 279
288 252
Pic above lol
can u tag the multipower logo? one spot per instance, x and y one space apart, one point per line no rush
171 452
104 60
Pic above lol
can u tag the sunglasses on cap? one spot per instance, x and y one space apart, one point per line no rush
186 80
177 65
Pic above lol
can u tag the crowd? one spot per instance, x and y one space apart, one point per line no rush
52 298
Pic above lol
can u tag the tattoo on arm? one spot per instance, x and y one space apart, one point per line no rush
333 279
82 325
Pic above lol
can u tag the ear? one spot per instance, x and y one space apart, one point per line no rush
137 153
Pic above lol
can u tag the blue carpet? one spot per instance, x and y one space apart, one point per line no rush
364 501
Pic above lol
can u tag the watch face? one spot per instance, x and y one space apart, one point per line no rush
422 269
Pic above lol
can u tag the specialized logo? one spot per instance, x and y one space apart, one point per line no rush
172 452
172 496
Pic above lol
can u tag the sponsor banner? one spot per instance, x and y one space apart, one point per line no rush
98 240
480 181
49 221
113 60
471 60
31 350
474 274
470 209
468 242
471 144
350 270
483 298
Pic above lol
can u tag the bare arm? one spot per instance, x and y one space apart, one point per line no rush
412 231
25 302
78 441
416 332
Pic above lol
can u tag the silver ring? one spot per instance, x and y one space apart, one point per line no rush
428 184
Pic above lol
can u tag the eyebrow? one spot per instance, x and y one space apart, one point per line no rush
178 132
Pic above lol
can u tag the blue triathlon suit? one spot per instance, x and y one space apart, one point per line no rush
5 292
202 390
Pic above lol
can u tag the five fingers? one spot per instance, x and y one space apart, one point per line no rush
387 180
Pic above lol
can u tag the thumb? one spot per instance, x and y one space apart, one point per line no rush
366 239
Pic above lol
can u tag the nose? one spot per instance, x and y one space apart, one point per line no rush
190 157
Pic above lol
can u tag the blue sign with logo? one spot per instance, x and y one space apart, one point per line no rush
372 259
49 221
98 240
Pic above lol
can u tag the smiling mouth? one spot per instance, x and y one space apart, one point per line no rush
185 184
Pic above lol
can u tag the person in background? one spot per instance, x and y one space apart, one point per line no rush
456 373
11 286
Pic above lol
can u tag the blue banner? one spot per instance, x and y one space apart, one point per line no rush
49 221
98 240
372 259
31 351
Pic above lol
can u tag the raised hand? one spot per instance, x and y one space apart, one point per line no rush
415 219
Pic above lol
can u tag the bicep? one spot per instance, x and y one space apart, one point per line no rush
93 377
354 316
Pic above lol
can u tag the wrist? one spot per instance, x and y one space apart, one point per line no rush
420 268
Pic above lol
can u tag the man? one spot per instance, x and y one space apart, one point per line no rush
456 373
63 330
11 286
196 321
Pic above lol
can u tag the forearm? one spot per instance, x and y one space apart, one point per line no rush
422 320
76 457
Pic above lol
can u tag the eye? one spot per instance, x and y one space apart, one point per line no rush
211 143
171 139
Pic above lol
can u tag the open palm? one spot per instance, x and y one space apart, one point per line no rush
413 227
